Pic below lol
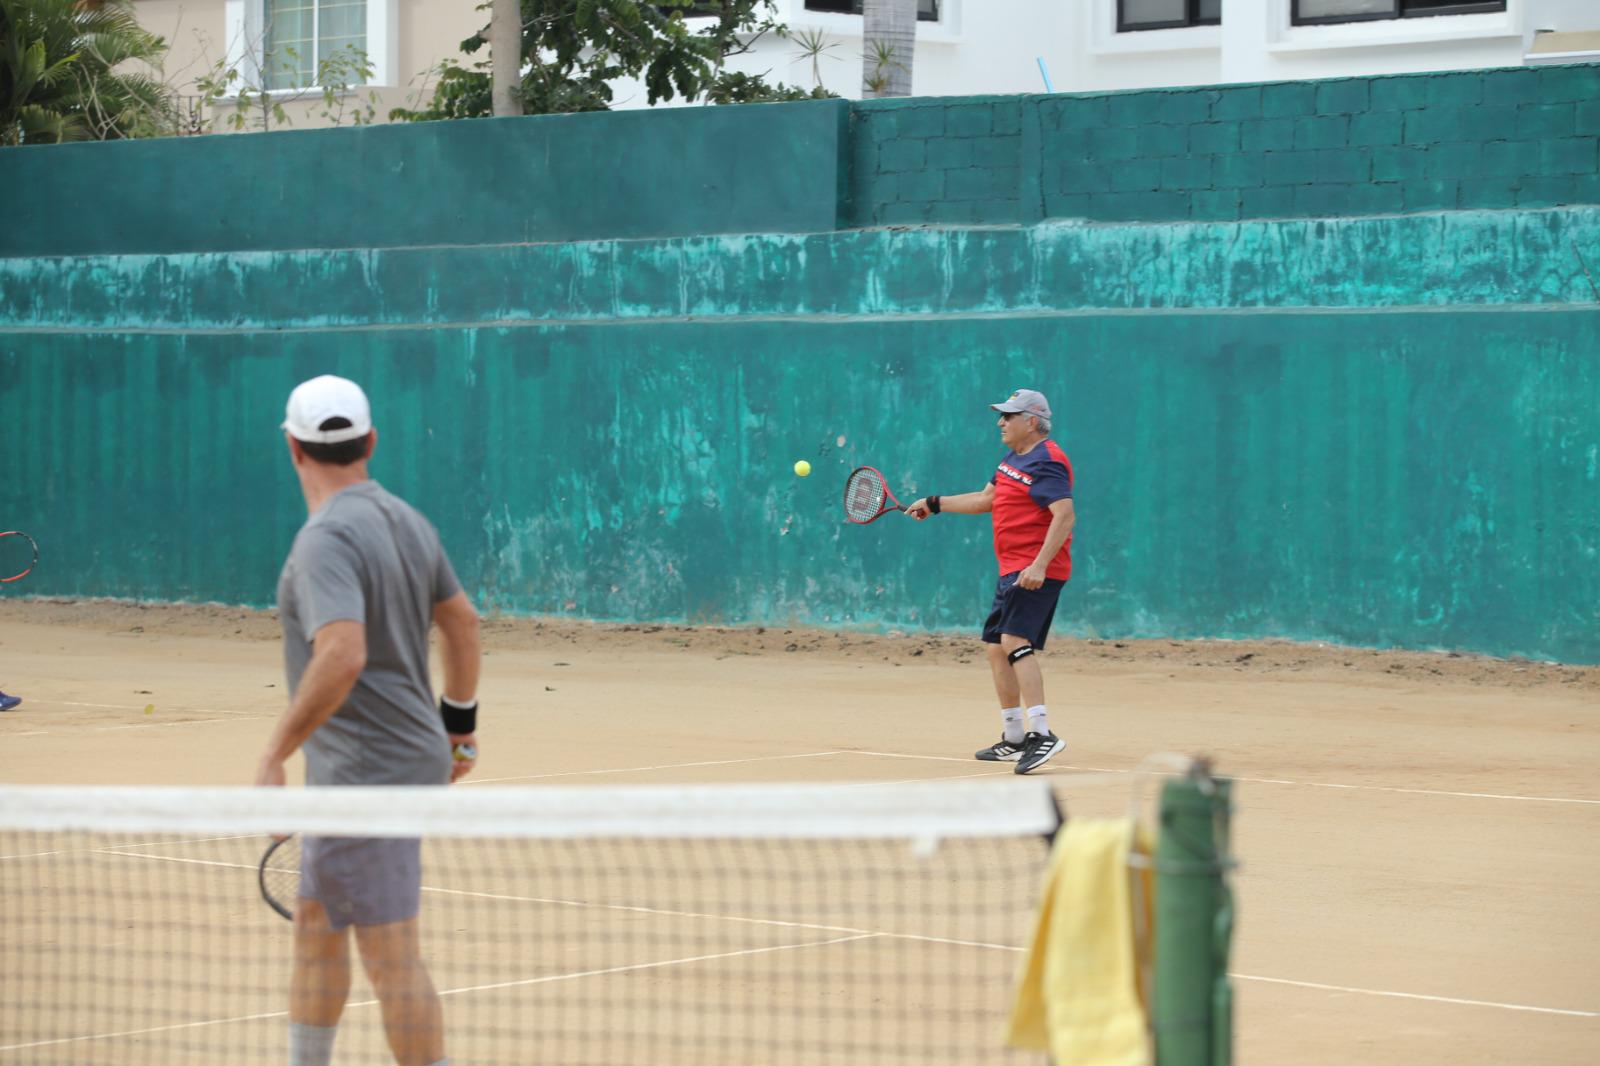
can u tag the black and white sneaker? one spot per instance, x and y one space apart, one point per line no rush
1038 749
1001 750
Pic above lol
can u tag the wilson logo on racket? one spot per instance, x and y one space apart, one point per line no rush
867 496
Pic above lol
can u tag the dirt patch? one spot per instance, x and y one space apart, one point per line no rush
1266 657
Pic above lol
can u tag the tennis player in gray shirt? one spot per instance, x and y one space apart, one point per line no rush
365 579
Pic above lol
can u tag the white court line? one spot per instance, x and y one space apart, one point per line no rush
136 707
1413 995
663 766
138 725
926 780
157 725
443 992
854 935
658 911
1424 791
649 965
116 849
1274 781
779 923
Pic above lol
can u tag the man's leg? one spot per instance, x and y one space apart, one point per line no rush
1005 678
1040 743
318 986
1009 747
412 1017
1029 678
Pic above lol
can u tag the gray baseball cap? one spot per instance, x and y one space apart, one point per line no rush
1024 402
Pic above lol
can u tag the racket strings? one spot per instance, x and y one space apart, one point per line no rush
864 495
280 876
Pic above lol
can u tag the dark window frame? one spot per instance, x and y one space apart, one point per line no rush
853 7
1401 11
1192 17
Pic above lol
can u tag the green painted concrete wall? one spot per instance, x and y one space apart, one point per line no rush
767 168
1521 138
1357 467
1380 429
1524 137
1476 257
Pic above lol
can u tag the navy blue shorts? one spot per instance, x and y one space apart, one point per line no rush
365 880
1022 612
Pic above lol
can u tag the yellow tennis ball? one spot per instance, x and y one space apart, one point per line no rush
149 708
802 468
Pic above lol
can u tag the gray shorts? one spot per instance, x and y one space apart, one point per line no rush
365 880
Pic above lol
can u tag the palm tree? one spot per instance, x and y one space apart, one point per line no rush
57 77
889 38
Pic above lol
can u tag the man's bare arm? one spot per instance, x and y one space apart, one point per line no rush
338 655
981 502
458 646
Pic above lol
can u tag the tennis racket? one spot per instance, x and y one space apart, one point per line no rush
10 553
279 875
867 496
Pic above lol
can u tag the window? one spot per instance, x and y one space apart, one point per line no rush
1313 12
927 10
1166 14
301 35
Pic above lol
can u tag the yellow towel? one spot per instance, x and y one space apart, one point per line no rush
1080 996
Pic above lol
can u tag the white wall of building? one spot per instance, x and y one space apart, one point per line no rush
976 47
993 46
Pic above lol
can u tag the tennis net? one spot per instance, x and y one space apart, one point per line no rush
705 925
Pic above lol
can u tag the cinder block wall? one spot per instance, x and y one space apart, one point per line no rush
1522 138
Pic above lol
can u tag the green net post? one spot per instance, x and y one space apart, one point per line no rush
1192 1008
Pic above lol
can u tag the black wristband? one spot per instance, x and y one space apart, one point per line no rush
459 721
933 505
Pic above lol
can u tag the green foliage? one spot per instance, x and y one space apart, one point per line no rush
57 77
732 87
262 109
813 45
572 50
882 59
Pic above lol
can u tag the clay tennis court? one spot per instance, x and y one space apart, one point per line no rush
1420 881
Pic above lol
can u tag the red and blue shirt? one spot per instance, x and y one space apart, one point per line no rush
1024 488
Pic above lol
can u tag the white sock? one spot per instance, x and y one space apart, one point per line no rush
311 1045
1037 720
1011 724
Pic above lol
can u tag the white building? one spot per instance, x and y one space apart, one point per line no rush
964 47
969 47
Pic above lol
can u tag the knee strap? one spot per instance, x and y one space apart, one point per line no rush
1020 653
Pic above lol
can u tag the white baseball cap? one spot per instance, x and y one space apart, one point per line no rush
314 402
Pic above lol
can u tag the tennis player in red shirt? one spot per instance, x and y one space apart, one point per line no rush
1029 501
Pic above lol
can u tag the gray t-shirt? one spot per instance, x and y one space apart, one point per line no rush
367 556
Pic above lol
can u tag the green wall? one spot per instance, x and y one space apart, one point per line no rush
1521 138
1467 257
496 181
1498 139
1422 477
1378 429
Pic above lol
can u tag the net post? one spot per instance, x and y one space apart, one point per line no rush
1191 1014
